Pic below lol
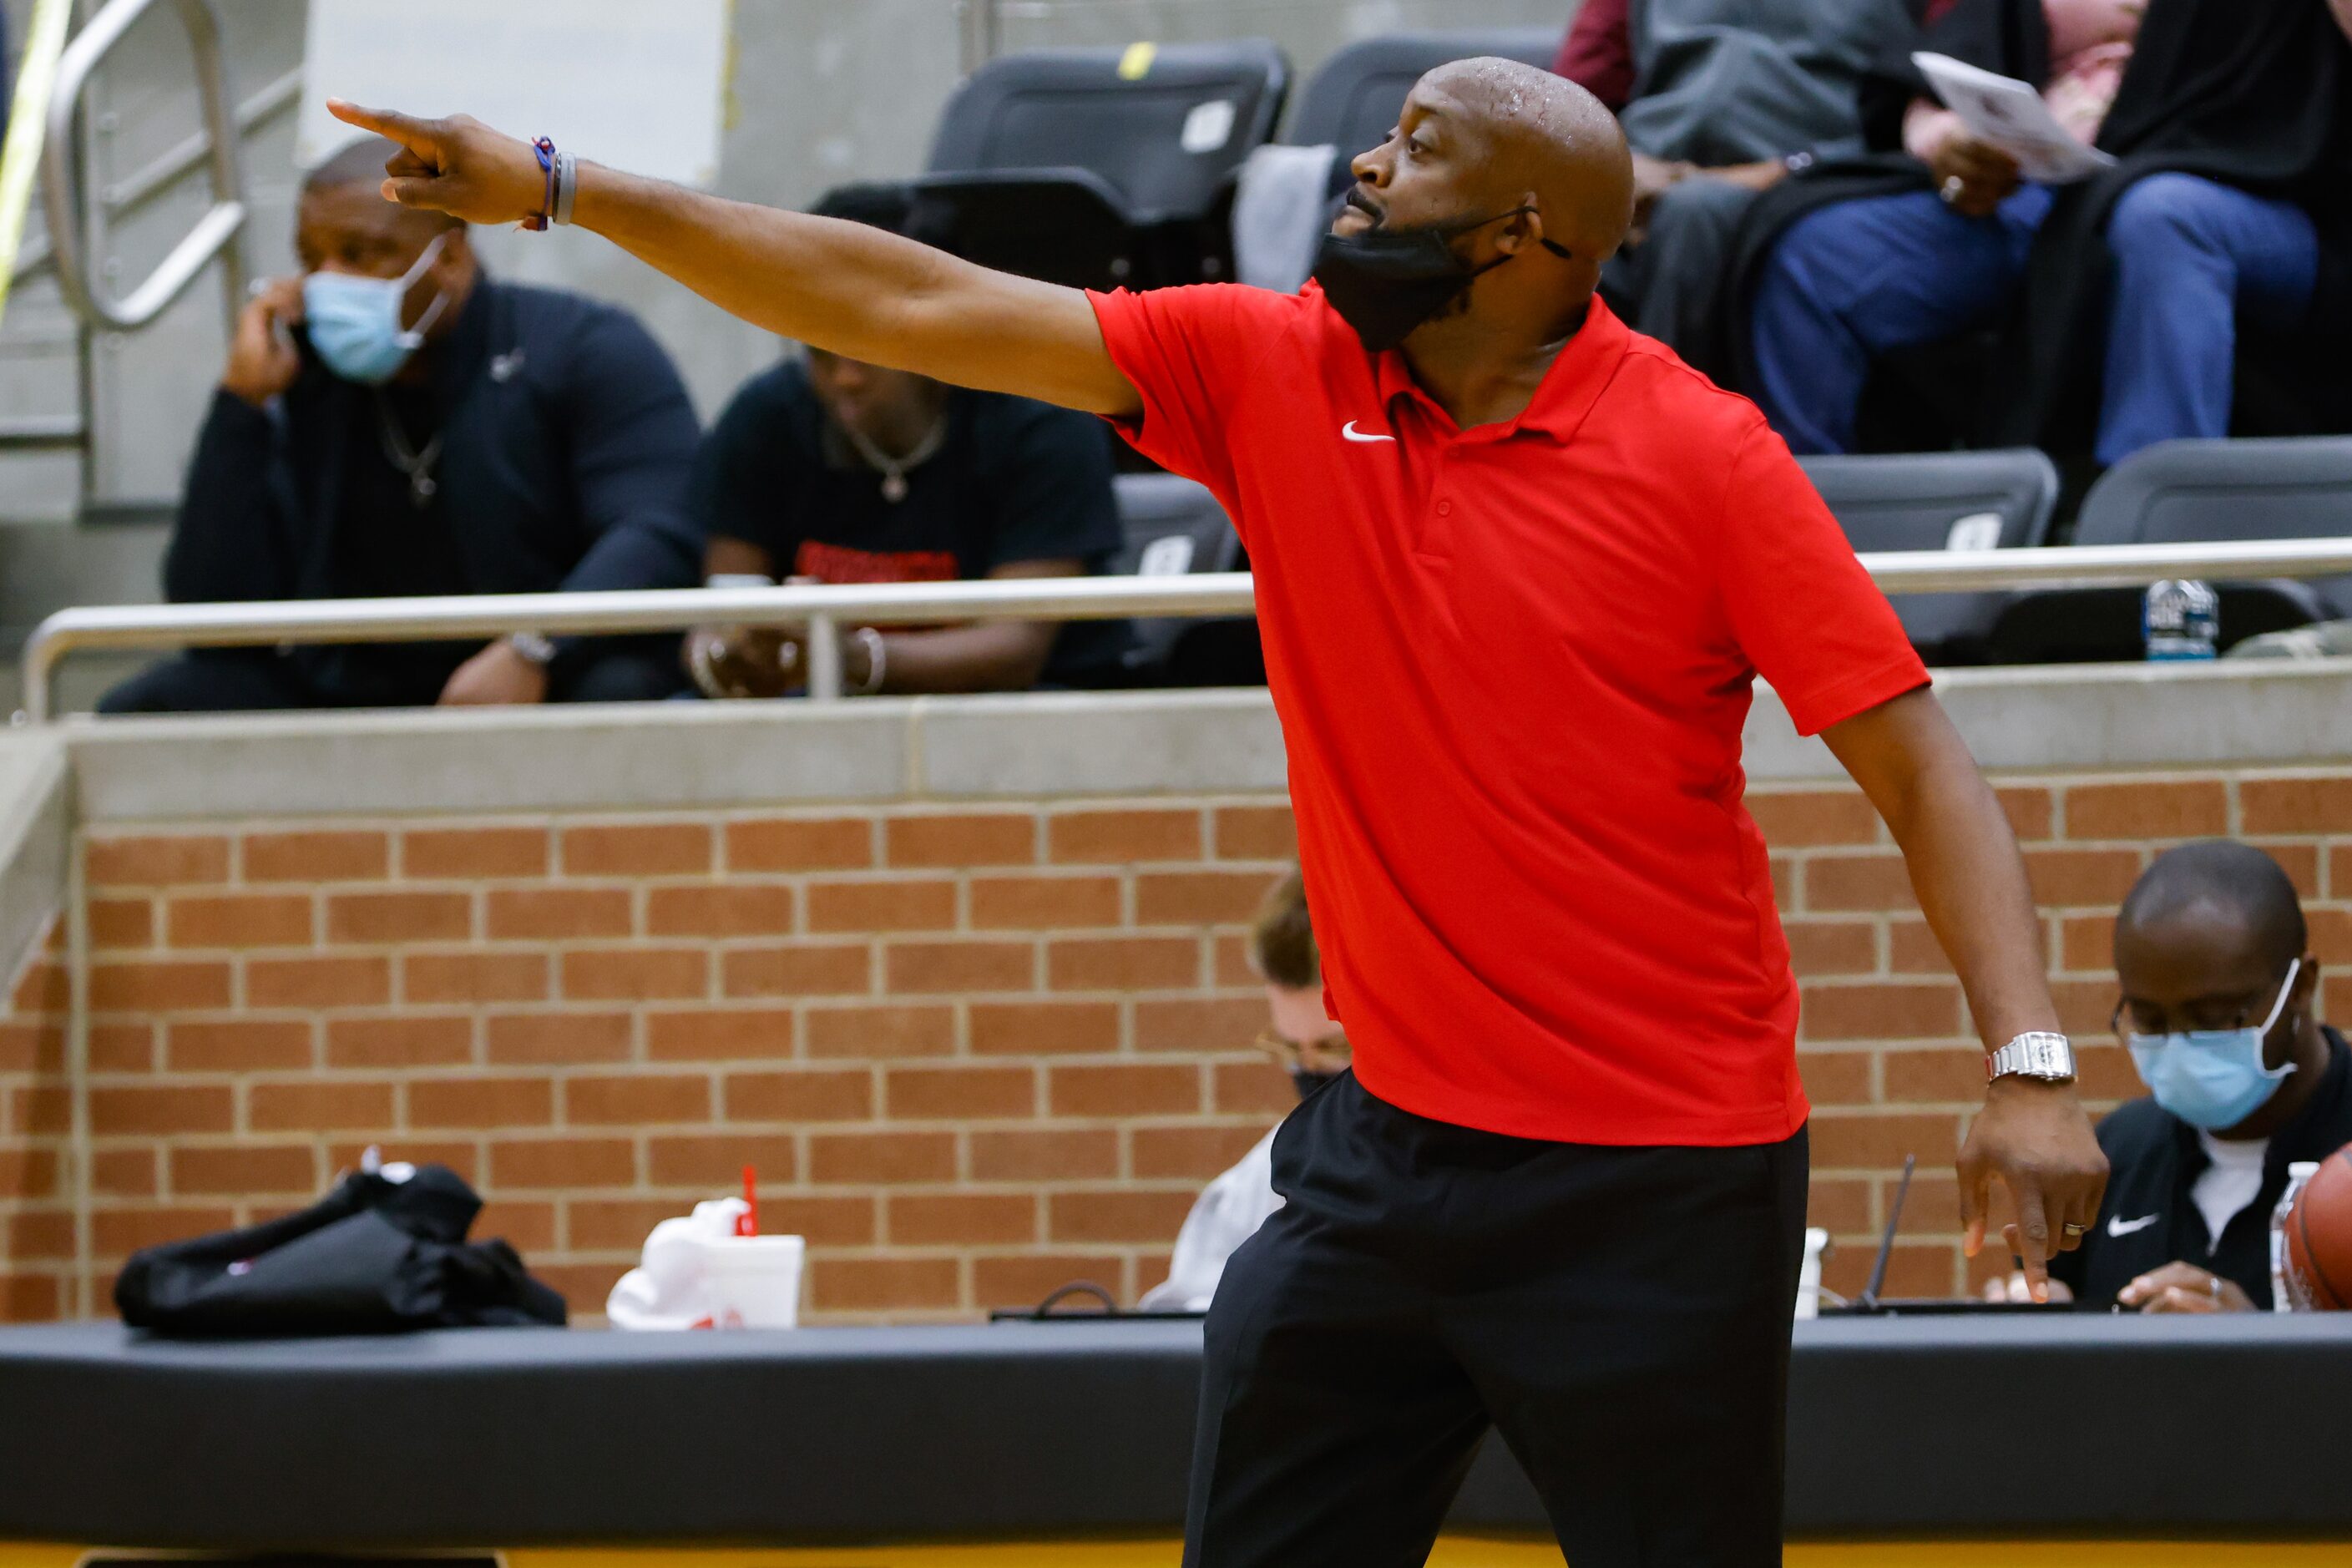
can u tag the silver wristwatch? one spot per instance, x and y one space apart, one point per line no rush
533 647
2037 1054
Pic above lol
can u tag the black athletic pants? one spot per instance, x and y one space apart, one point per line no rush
1619 1315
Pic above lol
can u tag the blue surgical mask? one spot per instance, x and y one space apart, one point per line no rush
354 322
2212 1079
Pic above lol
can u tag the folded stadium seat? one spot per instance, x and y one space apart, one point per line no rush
1942 501
1103 167
2180 492
1175 526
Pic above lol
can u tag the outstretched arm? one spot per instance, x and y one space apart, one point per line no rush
1970 881
854 290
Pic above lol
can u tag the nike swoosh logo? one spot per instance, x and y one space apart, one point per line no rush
2118 1225
1352 434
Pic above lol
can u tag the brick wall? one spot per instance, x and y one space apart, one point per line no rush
974 1053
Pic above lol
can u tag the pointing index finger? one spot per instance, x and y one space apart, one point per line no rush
411 132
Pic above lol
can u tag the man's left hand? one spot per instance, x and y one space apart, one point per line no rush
2035 1137
496 676
2184 1287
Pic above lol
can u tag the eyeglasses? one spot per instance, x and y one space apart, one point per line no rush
2133 1016
1331 1050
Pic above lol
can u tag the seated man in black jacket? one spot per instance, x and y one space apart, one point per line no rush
826 470
2219 1011
395 423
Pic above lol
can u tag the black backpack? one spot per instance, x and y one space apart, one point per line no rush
374 1257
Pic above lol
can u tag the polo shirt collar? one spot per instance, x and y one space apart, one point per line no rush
1566 394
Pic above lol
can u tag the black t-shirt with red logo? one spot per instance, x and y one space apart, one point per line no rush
1014 480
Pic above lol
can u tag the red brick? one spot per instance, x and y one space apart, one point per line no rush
463 1156
1238 1088
1863 883
617 1225
1837 1078
122 1047
1914 1269
1127 1215
339 982
1025 1280
1043 1028
634 974
883 1031
927 904
1880 1012
37 1234
705 1036
244 1172
2085 1007
27 1174
556 913
831 1220
32 1047
921 967
800 969
529 1227
1840 1207
2300 861
1937 1077
961 1219
2030 812
800 844
960 1094
586 1286
318 1106
1044 1154
159 986
1196 1024
636 1099
1802 819
1123 837
437 1103
543 1162
2074 877
43 987
557 1039
317 857
2105 1072
30 1299
1196 1152
2295 806
1044 903
2088 943
1874 1141
1122 962
974 840
408 1040
473 977
40 1108
1831 947
473 854
400 917
159 1109
637 849
120 924
714 1164
726 909
1199 898
1255 832
819 1094
238 920
2186 809
117 1232
881 1158
159 861
2331 935
1124 1089
126 1172
883 1284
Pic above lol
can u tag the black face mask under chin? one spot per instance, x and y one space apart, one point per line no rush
1384 282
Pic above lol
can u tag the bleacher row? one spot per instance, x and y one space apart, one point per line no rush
1103 168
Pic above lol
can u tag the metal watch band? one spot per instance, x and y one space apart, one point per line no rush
533 647
2037 1054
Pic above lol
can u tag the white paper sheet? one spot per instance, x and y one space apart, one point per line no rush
2010 115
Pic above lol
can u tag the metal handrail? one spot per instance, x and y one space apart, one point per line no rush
214 234
823 610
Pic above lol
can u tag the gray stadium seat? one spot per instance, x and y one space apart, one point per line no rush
1352 101
1175 526
2180 492
1941 500
1099 167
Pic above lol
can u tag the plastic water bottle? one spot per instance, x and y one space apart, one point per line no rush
2181 618
2284 1296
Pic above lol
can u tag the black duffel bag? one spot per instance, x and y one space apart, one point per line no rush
375 1256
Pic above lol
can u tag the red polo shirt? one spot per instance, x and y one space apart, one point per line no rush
1512 664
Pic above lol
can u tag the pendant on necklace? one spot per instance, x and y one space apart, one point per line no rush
894 488
421 491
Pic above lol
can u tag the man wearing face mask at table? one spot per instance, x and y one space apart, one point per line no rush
2219 1011
393 423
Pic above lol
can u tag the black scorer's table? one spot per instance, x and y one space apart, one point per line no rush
1901 1430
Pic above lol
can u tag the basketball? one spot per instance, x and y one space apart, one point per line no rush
2319 1236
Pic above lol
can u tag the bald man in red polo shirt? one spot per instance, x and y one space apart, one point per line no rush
1516 570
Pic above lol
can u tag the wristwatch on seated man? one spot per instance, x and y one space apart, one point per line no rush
533 647
2037 1054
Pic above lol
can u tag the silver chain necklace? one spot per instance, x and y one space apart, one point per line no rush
415 463
894 471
